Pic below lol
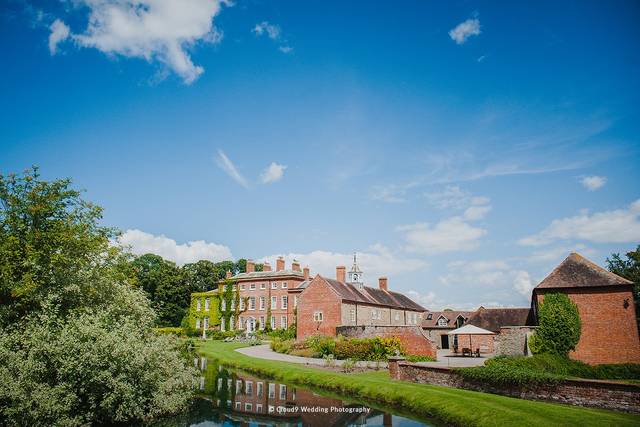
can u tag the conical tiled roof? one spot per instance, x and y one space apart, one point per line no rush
578 272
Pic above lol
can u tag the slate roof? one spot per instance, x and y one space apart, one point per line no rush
492 319
578 272
450 315
373 296
268 274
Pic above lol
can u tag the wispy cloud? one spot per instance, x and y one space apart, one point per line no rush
59 33
272 31
616 226
230 169
464 30
592 183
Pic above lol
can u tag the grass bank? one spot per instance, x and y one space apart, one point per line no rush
451 406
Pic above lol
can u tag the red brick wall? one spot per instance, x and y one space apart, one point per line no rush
318 296
412 338
482 342
609 331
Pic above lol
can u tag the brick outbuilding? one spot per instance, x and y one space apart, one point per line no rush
605 303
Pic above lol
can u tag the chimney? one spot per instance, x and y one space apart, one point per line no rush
305 270
280 264
229 275
382 283
251 267
295 265
341 273
266 266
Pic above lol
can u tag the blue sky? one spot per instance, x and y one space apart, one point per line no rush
462 149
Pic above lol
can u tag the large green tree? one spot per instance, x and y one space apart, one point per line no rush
76 344
629 268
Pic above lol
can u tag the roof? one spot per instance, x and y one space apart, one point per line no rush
268 275
493 319
373 296
470 330
450 315
578 272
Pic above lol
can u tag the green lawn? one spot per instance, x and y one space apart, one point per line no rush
448 405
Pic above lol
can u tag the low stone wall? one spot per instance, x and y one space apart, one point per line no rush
514 340
412 337
593 393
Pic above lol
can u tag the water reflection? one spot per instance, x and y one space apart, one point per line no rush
230 398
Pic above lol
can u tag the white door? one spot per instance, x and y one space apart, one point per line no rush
251 325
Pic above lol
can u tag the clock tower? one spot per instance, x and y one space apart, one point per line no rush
355 274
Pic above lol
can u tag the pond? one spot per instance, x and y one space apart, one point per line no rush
233 398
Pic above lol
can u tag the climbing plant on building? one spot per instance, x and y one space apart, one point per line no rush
559 326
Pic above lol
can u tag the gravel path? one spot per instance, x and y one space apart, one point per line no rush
264 352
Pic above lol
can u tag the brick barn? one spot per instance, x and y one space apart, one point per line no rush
605 304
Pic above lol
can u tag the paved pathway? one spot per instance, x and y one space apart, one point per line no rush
264 352
444 358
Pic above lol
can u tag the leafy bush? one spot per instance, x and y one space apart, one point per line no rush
170 331
321 344
559 325
215 334
348 365
500 374
367 348
285 334
329 360
281 346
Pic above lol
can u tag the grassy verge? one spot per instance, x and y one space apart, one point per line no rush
451 406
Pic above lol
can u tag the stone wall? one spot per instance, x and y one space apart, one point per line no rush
593 393
412 338
514 341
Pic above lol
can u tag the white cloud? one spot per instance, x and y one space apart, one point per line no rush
142 243
376 261
272 173
389 193
59 33
230 169
616 226
427 300
464 30
285 49
554 256
522 283
453 234
272 31
154 30
474 213
592 183
452 196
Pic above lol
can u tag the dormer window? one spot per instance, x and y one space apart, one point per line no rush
442 321
429 316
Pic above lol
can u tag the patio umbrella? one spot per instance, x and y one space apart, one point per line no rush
470 330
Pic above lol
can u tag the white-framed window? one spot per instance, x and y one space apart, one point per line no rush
238 386
233 304
240 322
197 323
262 322
262 302
274 285
263 286
231 323
273 322
284 285
283 392
442 321
283 322
375 314
198 305
206 323
295 301
206 304
259 407
259 389
248 406
284 301
248 388
252 287
317 316
223 305
241 304
272 391
429 316
352 314
222 325
397 316
252 303
238 406
242 287
274 302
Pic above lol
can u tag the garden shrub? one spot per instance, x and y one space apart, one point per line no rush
215 334
285 334
170 331
505 374
280 345
321 344
559 325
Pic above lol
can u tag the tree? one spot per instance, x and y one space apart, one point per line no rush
559 326
76 342
201 276
628 268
